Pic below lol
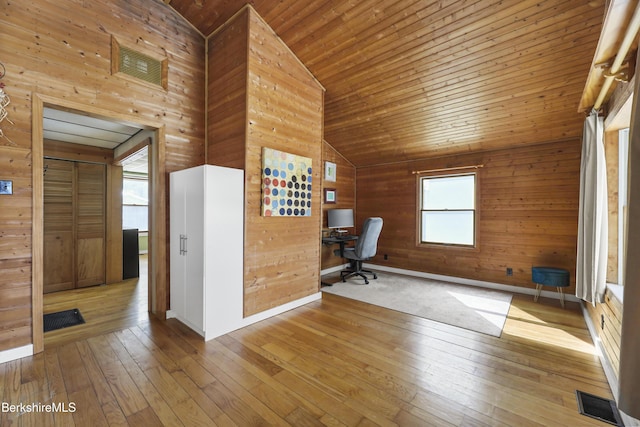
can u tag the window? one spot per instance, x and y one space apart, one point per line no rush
135 203
448 209
623 161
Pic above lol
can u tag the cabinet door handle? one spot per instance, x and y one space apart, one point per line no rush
182 244
185 244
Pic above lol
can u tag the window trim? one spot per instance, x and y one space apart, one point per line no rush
419 211
623 194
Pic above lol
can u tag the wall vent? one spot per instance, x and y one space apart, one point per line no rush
127 61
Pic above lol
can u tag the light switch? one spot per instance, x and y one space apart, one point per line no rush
6 186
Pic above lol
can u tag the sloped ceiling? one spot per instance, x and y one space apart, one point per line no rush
409 79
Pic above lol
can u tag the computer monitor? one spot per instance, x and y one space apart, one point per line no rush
339 218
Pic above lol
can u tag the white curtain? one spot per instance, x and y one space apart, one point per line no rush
591 264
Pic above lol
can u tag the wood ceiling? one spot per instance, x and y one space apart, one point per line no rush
410 79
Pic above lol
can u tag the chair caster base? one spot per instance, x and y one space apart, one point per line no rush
344 275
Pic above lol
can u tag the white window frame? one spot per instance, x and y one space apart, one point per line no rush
424 178
136 177
623 163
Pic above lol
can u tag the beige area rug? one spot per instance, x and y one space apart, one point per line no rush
477 309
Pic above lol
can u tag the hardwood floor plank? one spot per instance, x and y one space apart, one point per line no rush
146 417
275 395
122 385
196 372
73 371
89 411
100 385
57 389
168 388
239 382
300 417
114 415
144 351
191 414
320 398
35 391
196 393
239 412
404 418
159 406
249 356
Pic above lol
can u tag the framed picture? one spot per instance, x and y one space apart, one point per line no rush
329 171
286 184
329 195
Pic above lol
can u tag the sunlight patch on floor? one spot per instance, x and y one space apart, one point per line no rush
488 308
549 335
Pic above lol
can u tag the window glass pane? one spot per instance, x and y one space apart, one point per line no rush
449 192
135 217
135 192
448 227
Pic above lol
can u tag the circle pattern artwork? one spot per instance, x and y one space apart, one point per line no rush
286 184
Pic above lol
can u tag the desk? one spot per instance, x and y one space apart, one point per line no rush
337 241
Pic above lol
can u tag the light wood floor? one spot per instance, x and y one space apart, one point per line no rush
332 362
104 308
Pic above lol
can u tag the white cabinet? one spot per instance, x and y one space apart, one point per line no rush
206 248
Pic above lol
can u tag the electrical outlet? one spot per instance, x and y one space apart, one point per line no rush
509 271
6 187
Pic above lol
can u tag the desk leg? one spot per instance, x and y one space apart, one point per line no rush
341 249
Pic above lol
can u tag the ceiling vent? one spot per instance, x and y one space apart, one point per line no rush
129 62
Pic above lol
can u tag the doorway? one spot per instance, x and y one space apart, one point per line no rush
156 269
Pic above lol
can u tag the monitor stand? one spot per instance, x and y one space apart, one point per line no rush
338 231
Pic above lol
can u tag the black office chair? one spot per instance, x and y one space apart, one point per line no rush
364 249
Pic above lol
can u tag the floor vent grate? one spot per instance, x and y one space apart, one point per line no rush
599 408
62 319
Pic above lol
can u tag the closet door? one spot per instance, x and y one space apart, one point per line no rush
90 224
74 225
59 247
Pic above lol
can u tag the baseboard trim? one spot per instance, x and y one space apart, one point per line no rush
16 353
473 282
236 320
280 309
333 269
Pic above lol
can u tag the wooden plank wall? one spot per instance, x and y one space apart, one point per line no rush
345 186
610 330
282 110
15 244
62 49
528 213
227 63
